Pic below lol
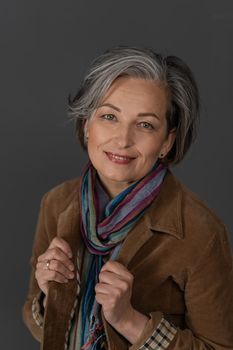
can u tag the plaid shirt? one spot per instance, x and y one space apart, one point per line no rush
161 337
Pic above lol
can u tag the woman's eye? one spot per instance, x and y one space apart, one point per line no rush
108 116
146 125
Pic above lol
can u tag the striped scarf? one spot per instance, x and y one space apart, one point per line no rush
104 237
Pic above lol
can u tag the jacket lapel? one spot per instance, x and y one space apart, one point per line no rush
62 296
164 215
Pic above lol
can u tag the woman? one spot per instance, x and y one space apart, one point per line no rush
126 257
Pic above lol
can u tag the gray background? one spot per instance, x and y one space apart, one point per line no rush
46 47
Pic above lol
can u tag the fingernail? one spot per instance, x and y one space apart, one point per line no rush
71 267
70 255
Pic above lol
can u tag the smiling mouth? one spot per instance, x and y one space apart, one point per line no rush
119 158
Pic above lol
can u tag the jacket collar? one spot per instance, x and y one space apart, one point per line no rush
165 214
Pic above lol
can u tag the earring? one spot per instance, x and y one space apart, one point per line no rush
161 155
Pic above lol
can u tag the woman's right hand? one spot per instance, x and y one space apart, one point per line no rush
60 268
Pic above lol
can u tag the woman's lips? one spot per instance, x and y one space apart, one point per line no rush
118 158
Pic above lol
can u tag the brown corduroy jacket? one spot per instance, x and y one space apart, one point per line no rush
179 254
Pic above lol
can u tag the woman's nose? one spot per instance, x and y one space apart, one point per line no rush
124 137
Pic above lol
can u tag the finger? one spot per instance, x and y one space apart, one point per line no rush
62 244
114 266
103 288
43 277
106 299
109 278
118 269
55 265
56 254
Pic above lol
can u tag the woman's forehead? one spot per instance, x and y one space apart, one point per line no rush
139 92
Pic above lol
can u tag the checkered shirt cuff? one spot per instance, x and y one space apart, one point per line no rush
37 311
161 337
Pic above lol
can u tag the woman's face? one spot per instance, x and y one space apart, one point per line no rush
128 132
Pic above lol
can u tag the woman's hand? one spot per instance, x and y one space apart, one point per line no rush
60 266
114 292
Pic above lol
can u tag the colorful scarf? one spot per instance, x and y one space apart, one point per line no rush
105 236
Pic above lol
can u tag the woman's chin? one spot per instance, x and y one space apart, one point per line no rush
116 180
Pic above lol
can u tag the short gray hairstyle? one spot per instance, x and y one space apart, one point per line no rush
143 63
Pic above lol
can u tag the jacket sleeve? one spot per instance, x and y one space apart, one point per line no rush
209 306
33 307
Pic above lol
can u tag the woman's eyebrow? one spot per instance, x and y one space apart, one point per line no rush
110 105
139 114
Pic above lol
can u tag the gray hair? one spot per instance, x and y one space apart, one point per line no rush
144 63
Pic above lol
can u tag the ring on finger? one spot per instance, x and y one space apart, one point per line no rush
47 264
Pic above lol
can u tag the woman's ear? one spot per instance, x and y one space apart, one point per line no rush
85 131
168 143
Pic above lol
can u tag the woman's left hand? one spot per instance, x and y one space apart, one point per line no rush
114 292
